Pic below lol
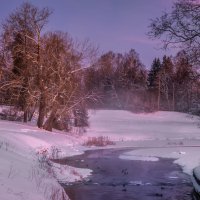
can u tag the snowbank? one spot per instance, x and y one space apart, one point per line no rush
25 170
187 157
196 179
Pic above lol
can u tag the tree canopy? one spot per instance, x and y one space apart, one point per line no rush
180 28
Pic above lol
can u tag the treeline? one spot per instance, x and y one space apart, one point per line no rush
43 76
123 82
119 80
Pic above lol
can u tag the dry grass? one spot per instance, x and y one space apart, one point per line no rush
98 141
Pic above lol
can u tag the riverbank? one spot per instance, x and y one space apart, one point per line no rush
25 151
113 178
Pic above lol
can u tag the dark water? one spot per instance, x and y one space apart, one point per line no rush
116 179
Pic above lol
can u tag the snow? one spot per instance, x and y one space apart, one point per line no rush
26 173
197 172
160 134
196 185
124 125
129 156
23 174
187 157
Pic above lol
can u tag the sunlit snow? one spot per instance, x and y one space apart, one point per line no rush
154 135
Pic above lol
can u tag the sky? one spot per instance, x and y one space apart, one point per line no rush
116 25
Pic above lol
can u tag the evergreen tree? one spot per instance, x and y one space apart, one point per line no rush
152 79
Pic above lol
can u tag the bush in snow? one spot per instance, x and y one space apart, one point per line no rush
11 114
98 141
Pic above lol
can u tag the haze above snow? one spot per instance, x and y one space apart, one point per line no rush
124 125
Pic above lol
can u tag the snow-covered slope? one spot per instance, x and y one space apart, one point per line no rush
24 174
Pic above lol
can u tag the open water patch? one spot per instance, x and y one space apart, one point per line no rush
117 179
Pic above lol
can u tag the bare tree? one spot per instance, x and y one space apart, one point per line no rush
180 28
44 70
21 49
61 78
166 76
186 83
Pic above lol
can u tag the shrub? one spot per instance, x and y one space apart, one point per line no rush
98 141
11 114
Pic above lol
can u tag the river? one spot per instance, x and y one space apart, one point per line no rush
116 179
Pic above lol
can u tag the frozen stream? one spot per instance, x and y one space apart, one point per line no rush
116 179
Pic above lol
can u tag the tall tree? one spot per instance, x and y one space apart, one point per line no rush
133 71
153 83
180 28
186 82
167 82
61 78
21 40
153 73
58 60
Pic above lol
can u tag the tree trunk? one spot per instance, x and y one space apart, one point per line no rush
25 116
42 109
31 113
49 122
25 84
158 93
173 97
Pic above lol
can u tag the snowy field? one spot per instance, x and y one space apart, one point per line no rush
124 125
25 173
161 134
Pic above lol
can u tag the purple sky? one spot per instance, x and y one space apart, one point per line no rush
116 25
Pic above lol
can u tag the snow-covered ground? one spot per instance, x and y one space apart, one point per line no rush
25 174
124 125
161 134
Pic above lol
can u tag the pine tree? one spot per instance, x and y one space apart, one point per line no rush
153 83
152 79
